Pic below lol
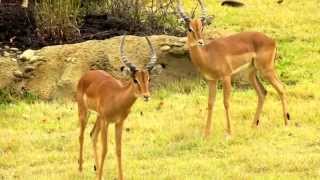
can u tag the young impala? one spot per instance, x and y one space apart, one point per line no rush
112 100
222 57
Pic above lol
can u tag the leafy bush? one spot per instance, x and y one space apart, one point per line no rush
9 96
60 20
148 15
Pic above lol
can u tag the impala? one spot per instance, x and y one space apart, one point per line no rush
112 100
223 57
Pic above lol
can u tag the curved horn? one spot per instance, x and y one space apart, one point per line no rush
204 15
123 57
153 56
181 12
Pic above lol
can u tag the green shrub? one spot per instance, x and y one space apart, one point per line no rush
9 96
148 16
58 19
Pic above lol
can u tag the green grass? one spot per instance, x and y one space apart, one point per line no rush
40 140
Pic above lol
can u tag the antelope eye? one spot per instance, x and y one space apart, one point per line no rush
135 81
149 79
190 30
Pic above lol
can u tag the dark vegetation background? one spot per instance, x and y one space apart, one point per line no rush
47 22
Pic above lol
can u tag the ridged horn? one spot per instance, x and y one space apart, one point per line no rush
123 57
204 14
153 55
182 13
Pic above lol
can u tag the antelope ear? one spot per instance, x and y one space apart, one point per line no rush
157 69
125 71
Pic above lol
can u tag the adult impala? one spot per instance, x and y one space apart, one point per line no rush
222 57
112 100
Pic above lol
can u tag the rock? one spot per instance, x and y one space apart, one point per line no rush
70 59
34 59
14 49
179 51
183 40
178 44
28 69
6 68
6 47
165 48
53 72
280 1
27 55
14 59
232 3
18 74
6 54
63 65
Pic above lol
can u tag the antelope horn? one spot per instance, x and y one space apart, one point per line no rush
124 58
181 12
204 15
153 56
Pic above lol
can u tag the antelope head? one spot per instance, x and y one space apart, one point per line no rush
140 76
195 26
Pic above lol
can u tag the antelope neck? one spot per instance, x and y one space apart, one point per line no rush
197 54
128 94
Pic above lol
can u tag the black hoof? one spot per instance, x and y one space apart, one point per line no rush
288 116
257 122
94 167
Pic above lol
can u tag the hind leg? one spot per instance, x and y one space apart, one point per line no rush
94 135
83 118
276 83
261 92
103 125
265 64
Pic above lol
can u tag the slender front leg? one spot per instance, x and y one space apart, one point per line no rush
211 102
226 98
119 127
104 143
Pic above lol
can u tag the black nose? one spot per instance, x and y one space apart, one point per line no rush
146 98
200 42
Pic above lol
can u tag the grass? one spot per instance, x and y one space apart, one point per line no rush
40 140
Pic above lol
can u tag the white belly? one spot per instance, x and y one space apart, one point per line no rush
241 62
241 68
207 76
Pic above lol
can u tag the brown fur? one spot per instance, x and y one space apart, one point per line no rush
112 100
222 57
